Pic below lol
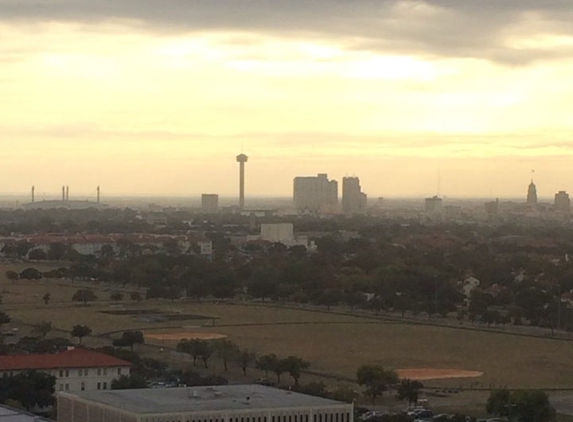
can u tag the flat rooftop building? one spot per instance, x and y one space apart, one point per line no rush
228 403
9 414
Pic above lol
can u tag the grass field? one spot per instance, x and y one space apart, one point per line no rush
334 344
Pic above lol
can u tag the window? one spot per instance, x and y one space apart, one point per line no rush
83 387
118 371
105 371
61 387
86 372
61 373
105 385
99 371
80 372
99 385
67 387
67 373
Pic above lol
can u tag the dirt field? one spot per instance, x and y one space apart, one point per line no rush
334 344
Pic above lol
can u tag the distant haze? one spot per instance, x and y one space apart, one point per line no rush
154 97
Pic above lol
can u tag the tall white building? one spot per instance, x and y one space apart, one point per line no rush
353 199
315 194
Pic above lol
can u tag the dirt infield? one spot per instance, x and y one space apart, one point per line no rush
185 335
422 374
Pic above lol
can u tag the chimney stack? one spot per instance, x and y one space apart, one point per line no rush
67 193
63 193
33 191
98 194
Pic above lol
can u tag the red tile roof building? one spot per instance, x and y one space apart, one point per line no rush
75 369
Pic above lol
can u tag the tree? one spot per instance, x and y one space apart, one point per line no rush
266 363
498 402
30 274
263 282
294 366
278 368
521 405
194 347
127 382
57 251
206 352
42 328
245 358
4 318
12 275
373 378
80 331
329 298
116 296
129 338
46 298
226 350
30 388
84 295
37 255
409 390
531 406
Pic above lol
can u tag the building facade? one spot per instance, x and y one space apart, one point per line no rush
353 199
209 203
531 194
227 403
75 369
433 206
315 194
562 202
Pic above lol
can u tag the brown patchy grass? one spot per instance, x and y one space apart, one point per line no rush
334 344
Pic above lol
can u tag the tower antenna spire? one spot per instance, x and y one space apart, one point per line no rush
242 159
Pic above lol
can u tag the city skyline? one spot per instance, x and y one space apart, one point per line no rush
147 99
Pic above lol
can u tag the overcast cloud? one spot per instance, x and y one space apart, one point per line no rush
456 28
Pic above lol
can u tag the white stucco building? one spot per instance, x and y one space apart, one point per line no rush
282 233
75 370
226 403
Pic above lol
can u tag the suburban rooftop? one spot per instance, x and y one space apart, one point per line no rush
203 399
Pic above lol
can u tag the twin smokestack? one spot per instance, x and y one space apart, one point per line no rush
65 194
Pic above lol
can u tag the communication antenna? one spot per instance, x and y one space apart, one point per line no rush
439 182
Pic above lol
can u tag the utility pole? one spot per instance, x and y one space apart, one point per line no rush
436 295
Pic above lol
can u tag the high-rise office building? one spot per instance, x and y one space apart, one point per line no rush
315 194
353 199
209 203
433 205
492 208
532 194
562 202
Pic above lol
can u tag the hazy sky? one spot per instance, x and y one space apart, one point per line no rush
159 96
